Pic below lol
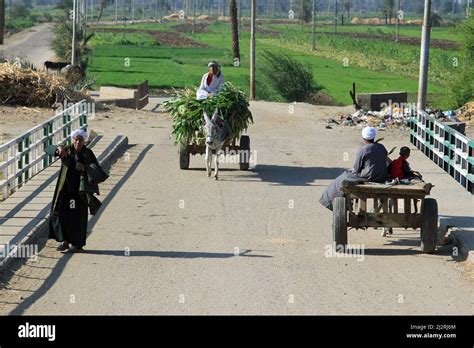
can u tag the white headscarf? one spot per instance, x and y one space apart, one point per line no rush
369 133
79 133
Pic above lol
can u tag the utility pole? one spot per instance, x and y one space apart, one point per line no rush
194 16
74 15
116 11
253 12
335 17
424 57
82 18
302 14
240 17
2 21
397 37
313 28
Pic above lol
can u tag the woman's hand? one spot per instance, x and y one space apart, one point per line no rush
61 152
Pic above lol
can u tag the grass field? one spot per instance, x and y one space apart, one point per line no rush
373 54
437 33
167 67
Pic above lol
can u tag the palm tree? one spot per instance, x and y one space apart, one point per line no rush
436 20
235 29
102 6
347 5
388 10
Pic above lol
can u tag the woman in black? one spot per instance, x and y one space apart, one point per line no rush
77 182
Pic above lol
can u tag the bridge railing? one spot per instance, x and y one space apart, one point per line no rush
24 157
445 146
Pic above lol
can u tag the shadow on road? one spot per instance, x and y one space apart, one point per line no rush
391 252
290 175
174 254
412 242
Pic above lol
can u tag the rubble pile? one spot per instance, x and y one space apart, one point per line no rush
393 116
389 117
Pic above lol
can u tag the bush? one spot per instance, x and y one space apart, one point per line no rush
19 24
19 11
289 77
35 18
461 84
48 17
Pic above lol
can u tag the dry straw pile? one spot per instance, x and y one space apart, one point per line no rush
25 87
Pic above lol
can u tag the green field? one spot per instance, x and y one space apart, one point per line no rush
167 67
373 54
437 33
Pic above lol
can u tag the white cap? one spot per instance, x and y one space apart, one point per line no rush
79 133
369 133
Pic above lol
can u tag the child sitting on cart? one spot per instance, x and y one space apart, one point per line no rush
400 168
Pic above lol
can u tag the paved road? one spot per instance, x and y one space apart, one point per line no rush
32 44
183 231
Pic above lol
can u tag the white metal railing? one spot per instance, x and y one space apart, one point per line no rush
449 149
24 157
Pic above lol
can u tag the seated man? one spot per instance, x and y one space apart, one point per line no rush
370 165
212 82
400 169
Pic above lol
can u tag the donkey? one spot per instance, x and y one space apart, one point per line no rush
215 137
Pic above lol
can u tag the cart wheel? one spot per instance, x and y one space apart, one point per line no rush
244 160
429 225
339 222
183 157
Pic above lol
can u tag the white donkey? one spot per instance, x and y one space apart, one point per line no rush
215 137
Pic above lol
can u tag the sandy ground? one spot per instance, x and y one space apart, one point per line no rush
251 243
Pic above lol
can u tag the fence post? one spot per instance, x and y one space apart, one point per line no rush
20 162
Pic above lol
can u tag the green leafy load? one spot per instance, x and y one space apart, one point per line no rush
187 113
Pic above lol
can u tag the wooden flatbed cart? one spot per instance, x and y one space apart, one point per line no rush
392 206
242 148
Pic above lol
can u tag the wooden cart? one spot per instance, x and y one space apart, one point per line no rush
384 206
242 149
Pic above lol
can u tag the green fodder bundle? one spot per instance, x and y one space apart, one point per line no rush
187 113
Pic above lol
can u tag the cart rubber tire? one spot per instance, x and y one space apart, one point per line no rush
184 157
244 160
429 226
339 222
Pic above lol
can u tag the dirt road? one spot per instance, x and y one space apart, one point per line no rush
175 242
32 44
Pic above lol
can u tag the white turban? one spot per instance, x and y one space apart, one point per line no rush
79 133
369 133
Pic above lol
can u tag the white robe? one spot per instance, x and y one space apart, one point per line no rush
217 84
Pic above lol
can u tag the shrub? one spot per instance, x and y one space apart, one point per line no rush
290 78
461 84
